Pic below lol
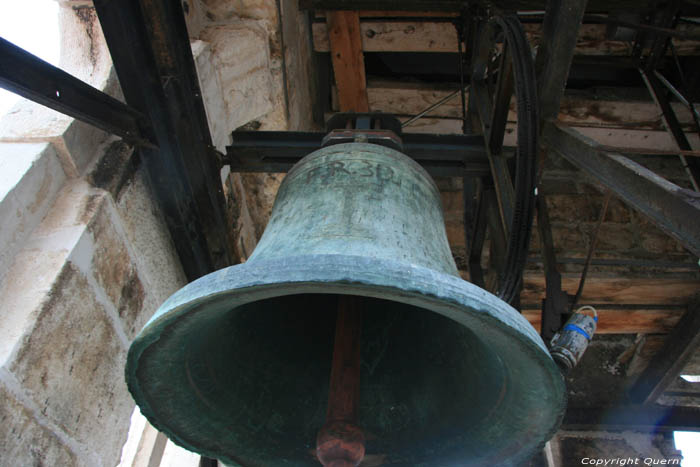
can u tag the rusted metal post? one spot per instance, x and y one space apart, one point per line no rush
341 443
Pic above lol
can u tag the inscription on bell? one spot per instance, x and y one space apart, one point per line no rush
353 168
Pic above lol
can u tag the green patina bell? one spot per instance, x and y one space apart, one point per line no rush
236 364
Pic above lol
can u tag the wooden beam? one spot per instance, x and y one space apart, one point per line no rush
666 366
403 98
421 36
348 60
396 36
616 290
398 14
625 321
606 136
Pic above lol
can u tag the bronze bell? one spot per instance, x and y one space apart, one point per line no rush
236 365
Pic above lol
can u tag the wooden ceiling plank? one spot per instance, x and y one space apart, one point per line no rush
423 36
625 321
403 98
398 14
616 290
348 60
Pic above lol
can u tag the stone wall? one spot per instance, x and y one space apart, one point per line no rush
78 287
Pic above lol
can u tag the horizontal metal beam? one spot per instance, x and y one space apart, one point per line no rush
673 209
30 77
632 417
278 151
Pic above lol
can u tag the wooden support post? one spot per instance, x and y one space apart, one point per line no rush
348 60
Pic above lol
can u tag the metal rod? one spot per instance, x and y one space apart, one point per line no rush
671 124
32 78
341 443
649 152
434 106
460 38
591 249
678 95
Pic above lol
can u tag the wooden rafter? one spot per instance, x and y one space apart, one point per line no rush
348 61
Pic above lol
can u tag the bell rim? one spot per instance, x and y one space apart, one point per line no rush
343 274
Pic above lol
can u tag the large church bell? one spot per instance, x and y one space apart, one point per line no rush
348 336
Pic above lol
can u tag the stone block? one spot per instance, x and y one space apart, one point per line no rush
655 241
260 193
145 231
26 443
237 210
448 183
455 233
116 267
568 239
452 203
70 362
225 10
616 238
111 264
573 209
115 168
36 266
71 301
30 177
618 212
84 51
73 140
212 95
241 57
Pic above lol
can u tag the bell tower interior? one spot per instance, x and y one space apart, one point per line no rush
484 177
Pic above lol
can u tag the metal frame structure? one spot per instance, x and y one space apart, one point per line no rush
164 117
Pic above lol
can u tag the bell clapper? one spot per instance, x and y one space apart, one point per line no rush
340 442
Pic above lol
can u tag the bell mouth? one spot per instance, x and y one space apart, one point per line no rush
236 365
